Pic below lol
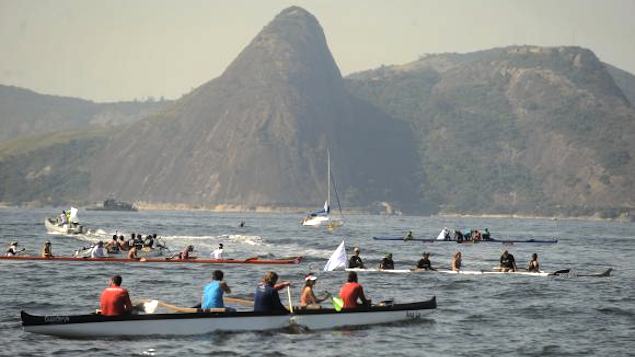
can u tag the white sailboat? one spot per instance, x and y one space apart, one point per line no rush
323 216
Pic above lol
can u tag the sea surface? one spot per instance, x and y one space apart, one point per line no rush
476 315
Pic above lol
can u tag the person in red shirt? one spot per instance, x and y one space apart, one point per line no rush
351 291
114 299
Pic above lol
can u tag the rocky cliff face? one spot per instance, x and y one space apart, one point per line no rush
258 135
517 129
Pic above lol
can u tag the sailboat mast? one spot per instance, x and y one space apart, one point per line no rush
328 176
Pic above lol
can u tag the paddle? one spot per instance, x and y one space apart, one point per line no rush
238 301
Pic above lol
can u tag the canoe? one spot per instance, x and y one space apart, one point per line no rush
180 324
291 260
461 272
501 241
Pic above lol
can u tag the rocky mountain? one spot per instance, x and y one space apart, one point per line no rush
27 113
519 129
258 135
624 80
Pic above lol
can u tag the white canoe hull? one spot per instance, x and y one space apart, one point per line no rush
461 272
315 221
204 323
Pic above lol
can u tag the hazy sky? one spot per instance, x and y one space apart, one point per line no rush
124 49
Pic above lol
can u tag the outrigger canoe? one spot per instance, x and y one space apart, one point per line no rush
567 272
501 241
460 272
91 326
256 260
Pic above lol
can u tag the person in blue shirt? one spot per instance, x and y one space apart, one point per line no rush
267 298
213 292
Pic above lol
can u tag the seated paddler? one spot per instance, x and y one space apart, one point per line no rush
267 298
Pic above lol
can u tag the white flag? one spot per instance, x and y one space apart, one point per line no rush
338 259
443 233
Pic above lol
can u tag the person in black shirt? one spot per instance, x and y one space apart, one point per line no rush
424 263
387 263
507 262
356 261
486 235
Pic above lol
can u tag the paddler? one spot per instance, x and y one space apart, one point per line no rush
112 246
352 291
455 264
47 251
409 236
114 299
13 249
507 262
356 261
424 263
99 251
387 263
213 292
132 253
267 298
534 266
308 300
122 245
217 253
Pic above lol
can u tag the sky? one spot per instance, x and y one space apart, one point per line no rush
112 50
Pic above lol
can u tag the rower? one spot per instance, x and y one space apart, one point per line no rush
121 244
534 266
99 251
355 261
242 224
213 292
455 264
149 241
132 253
352 291
387 263
217 253
13 249
409 236
424 263
114 299
507 262
47 252
112 246
185 253
267 298
308 300
486 235
131 241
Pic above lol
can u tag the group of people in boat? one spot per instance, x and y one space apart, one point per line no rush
115 300
14 250
507 262
457 235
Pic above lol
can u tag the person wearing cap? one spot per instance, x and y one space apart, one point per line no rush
213 292
114 300
424 263
218 253
308 300
99 251
352 291
47 251
13 249
387 263
356 261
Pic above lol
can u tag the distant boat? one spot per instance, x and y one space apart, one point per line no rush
113 205
323 216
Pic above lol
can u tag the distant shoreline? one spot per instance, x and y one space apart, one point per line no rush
149 207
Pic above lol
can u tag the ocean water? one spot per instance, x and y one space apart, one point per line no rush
476 315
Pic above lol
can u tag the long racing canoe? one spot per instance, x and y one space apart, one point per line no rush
255 260
470 241
208 322
460 272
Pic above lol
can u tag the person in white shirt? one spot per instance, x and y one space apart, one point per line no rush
99 251
13 249
218 253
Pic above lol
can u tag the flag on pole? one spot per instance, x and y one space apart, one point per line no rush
338 259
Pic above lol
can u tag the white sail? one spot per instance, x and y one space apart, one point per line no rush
338 259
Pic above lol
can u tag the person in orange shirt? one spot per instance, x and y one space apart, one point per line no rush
352 291
114 299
